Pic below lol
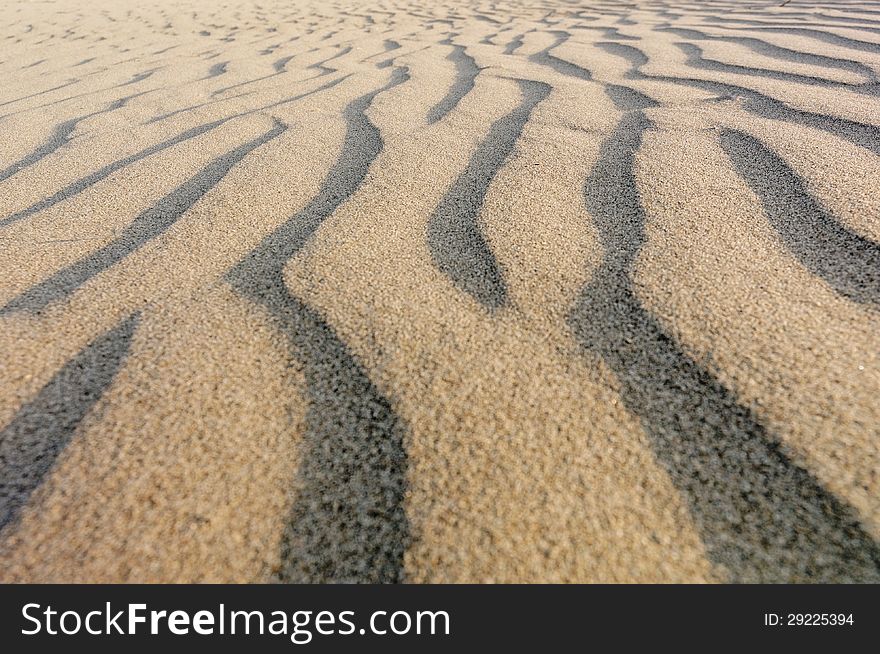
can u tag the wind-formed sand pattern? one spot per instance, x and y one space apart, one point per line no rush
376 291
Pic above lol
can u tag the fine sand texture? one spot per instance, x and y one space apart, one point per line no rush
402 291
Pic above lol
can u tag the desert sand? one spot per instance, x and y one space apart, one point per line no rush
400 291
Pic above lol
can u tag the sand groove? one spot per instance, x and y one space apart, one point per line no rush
466 72
847 261
355 461
717 453
454 236
862 134
765 48
41 428
145 227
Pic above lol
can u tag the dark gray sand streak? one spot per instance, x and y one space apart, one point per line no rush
560 65
819 35
777 52
348 522
454 236
760 516
848 262
466 72
695 59
102 173
861 134
60 137
514 45
147 226
90 180
41 429
216 70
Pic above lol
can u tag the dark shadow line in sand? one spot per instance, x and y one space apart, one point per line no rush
348 523
216 70
607 32
34 95
91 179
695 59
60 137
144 228
244 83
139 77
861 21
760 516
767 49
486 19
41 429
848 262
819 35
455 239
279 67
628 99
514 45
861 134
544 58
466 71
854 22
858 10
71 98
322 65
183 110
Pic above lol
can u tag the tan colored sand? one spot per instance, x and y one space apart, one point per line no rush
649 378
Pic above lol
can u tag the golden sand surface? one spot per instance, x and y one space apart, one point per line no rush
388 290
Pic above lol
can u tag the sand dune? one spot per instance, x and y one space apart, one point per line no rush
382 291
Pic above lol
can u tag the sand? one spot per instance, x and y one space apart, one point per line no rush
398 291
